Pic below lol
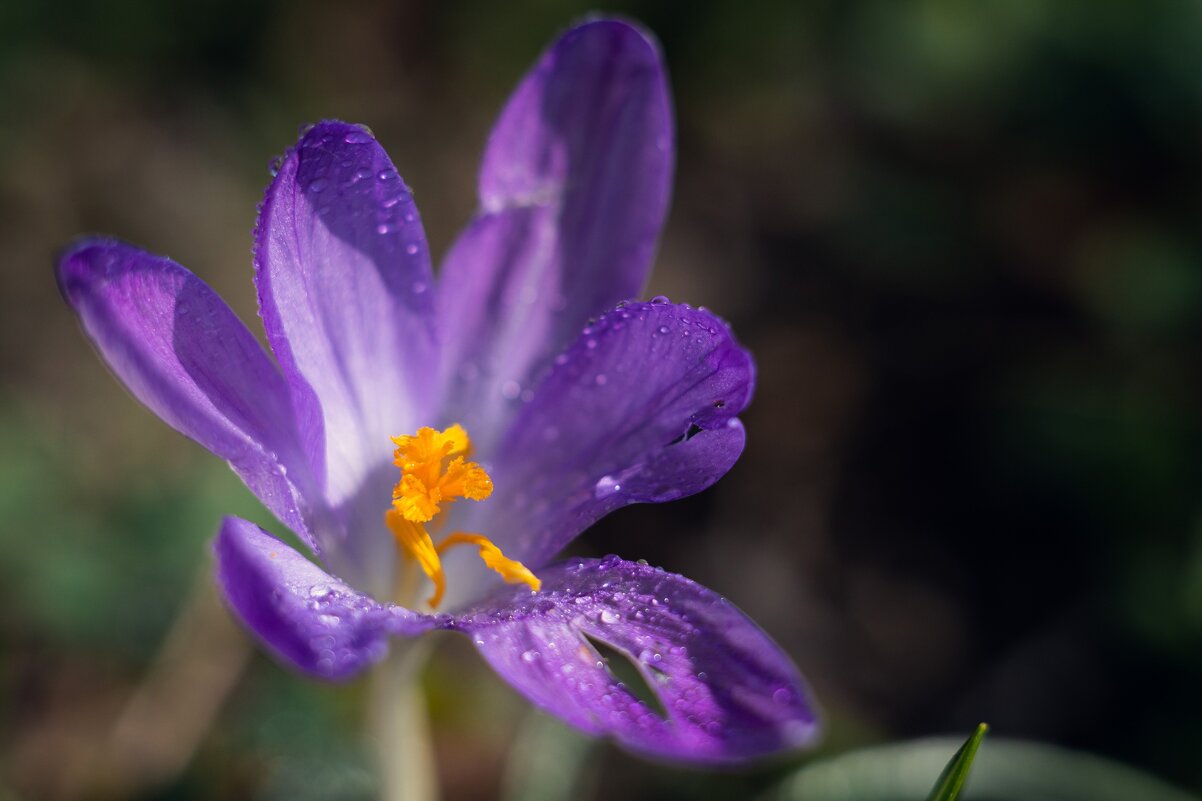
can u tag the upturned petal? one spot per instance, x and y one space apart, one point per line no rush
727 692
181 351
641 408
306 617
573 190
346 295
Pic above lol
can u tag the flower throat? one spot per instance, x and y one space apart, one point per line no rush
435 473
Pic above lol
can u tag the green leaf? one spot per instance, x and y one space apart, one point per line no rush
1007 770
951 781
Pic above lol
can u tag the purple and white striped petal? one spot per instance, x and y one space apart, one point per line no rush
346 295
306 617
182 352
573 190
728 693
640 409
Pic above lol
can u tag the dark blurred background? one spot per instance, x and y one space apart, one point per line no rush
960 238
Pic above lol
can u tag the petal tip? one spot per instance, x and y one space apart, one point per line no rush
83 259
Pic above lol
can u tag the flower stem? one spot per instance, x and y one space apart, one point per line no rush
401 724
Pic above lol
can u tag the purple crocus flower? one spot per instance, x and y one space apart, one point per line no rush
570 424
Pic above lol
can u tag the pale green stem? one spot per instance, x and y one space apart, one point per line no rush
401 724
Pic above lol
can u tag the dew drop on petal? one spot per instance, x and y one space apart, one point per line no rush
609 616
357 138
605 487
317 184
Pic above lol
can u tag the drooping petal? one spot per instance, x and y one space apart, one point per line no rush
728 693
181 351
306 617
573 190
640 409
346 294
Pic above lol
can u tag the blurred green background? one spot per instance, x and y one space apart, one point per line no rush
961 239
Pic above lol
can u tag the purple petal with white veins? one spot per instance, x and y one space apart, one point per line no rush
306 617
640 409
346 294
181 351
573 189
728 693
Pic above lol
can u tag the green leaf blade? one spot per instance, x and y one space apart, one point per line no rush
951 781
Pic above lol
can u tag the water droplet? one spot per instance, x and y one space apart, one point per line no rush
510 389
329 620
600 380
609 616
386 175
360 174
590 344
357 138
782 696
274 165
317 184
382 228
411 249
319 591
419 287
529 656
663 329
660 300
182 308
605 487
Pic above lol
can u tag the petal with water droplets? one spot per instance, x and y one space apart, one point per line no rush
181 351
660 426
306 617
574 188
343 273
724 691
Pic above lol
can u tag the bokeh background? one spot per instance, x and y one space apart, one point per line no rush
962 240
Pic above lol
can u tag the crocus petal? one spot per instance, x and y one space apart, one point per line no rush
728 692
306 617
181 351
641 408
573 191
345 290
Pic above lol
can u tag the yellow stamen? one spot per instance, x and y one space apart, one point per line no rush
513 571
428 482
425 482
